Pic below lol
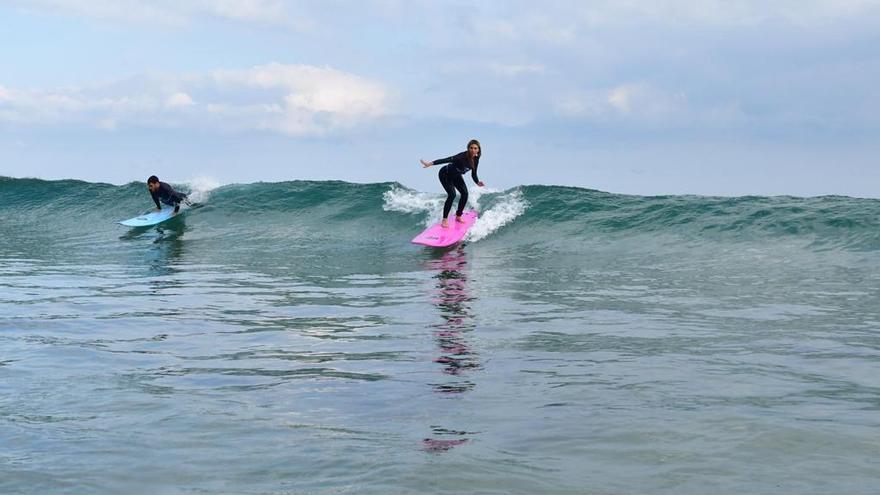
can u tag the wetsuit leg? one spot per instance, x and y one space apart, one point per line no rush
178 199
446 182
458 182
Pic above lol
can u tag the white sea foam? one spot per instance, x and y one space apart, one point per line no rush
409 201
504 211
200 188
500 214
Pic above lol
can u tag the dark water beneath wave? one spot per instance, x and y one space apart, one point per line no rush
287 338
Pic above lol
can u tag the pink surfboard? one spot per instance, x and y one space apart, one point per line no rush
437 236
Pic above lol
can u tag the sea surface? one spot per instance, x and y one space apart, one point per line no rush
288 338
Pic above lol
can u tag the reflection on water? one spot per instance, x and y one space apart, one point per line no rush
456 355
444 444
166 246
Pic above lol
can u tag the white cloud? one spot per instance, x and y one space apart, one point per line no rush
173 12
510 63
577 104
720 12
644 100
112 10
513 70
620 97
315 89
637 102
107 124
511 20
290 99
312 99
246 10
179 100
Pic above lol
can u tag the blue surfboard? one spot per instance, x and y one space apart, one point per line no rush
151 218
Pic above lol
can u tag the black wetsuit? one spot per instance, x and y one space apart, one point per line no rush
451 179
167 195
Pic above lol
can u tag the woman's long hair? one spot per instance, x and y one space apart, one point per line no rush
479 152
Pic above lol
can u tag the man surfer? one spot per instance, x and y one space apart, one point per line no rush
161 191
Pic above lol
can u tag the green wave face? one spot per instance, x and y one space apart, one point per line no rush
272 223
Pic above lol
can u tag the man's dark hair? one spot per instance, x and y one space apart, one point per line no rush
152 179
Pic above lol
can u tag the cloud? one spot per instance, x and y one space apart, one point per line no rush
314 89
173 12
639 104
179 100
290 99
312 99
628 99
261 11
614 63
110 10
513 70
554 23
69 105
718 12
107 124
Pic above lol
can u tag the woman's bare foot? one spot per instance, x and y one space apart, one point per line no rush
458 219
444 223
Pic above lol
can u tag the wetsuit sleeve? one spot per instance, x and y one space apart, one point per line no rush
474 174
156 199
448 159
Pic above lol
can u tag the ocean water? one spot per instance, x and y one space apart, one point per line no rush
287 338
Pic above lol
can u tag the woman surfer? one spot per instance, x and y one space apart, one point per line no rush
451 177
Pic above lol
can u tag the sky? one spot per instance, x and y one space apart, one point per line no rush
639 97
